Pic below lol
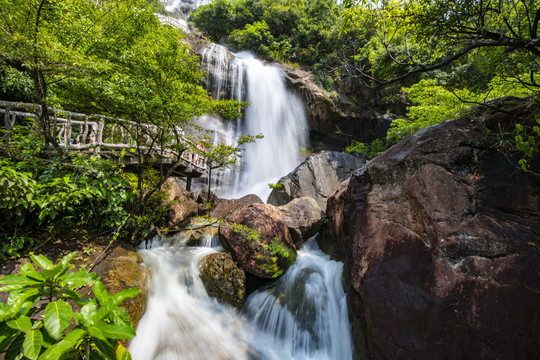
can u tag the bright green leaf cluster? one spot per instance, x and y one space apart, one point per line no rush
36 322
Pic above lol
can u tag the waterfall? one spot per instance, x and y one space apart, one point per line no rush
303 315
274 111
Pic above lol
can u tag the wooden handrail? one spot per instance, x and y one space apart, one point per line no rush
76 132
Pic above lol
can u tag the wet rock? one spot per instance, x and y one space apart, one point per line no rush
223 280
259 240
197 233
317 177
122 269
182 205
206 200
333 119
304 218
225 207
439 237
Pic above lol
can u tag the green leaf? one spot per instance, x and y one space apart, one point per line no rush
32 344
69 342
122 353
100 292
79 278
57 318
117 332
23 324
15 350
42 262
16 282
105 348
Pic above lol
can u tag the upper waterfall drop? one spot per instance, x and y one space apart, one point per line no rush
273 111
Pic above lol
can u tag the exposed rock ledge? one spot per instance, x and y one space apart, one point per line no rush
440 237
335 119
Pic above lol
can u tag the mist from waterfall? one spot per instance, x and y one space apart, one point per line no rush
274 111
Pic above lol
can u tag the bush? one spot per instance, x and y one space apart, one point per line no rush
36 322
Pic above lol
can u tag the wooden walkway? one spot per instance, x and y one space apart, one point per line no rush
104 136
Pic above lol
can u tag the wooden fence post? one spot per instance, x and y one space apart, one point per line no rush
99 137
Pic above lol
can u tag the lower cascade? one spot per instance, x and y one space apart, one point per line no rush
302 315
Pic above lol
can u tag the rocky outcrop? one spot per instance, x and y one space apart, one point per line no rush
335 119
182 205
304 218
259 240
317 177
223 280
225 207
122 269
440 239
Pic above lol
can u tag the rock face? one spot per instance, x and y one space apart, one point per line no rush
223 279
225 207
304 217
120 270
317 177
259 240
334 119
440 240
182 205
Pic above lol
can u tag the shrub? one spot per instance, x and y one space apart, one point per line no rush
36 322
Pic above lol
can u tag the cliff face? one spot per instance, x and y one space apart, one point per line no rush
440 236
335 120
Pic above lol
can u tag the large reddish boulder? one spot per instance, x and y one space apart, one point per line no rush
440 240
259 240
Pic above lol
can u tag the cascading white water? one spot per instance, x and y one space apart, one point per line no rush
181 321
273 111
302 316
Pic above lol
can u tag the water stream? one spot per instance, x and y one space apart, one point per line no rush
274 111
303 314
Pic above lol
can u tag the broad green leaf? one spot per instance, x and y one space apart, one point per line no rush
117 332
88 314
42 262
120 317
57 318
100 292
79 278
115 300
96 332
23 324
122 353
15 282
69 342
32 344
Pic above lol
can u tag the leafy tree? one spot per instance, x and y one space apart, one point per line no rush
437 33
37 320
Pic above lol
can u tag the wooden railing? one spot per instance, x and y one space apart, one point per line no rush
98 133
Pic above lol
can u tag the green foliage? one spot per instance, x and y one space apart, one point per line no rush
36 322
435 103
527 141
301 31
371 150
276 186
58 190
